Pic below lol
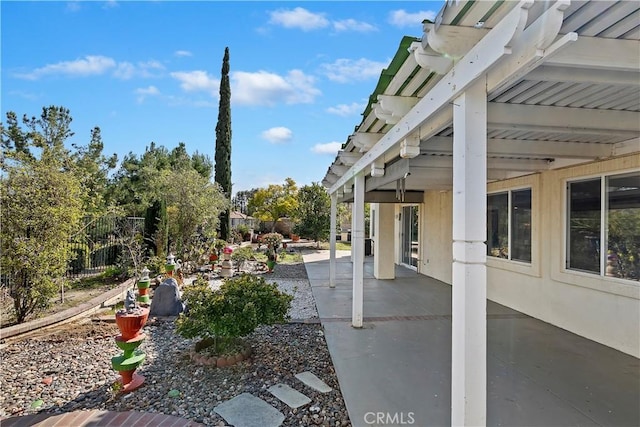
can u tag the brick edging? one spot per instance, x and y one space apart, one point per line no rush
67 315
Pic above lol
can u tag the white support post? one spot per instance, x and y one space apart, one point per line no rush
332 241
469 304
353 225
357 251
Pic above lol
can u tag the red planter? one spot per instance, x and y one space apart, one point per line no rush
130 323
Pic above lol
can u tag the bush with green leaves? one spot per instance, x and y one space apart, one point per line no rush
235 310
242 255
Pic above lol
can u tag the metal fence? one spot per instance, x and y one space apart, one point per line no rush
99 244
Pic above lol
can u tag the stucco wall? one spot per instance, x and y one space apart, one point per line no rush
436 229
604 309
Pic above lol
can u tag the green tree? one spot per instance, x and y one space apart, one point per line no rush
313 216
92 168
223 143
41 199
275 202
193 207
240 201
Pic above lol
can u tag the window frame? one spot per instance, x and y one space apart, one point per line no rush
602 178
509 192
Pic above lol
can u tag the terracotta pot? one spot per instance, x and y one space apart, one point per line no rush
127 376
130 324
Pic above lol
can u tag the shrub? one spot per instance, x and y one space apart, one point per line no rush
218 245
235 236
240 255
272 240
244 231
235 310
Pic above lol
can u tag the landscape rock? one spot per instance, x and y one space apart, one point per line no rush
166 299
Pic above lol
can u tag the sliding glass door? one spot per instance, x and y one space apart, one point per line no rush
410 236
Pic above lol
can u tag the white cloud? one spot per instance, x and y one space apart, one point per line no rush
402 18
264 88
346 110
298 18
277 135
194 81
81 67
110 4
348 70
182 53
127 70
353 25
144 92
328 148
92 65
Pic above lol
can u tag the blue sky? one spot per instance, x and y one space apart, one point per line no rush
149 71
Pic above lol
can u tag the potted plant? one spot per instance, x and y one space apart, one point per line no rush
273 241
272 258
216 249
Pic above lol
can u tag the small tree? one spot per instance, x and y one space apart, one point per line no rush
41 199
193 207
275 202
233 311
314 212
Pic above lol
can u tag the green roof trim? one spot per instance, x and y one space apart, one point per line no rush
406 82
495 7
462 13
388 73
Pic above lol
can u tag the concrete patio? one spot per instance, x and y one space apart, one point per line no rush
397 369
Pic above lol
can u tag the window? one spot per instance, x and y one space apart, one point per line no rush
603 233
509 225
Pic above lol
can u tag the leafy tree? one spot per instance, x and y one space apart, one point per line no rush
275 202
92 169
41 198
240 202
193 207
223 143
135 186
202 164
155 225
314 212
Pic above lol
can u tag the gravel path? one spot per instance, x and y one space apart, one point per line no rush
77 361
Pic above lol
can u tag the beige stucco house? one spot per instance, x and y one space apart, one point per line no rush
500 153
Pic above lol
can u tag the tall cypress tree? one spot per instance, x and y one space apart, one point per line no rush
223 143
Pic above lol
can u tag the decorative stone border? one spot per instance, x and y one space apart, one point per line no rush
220 362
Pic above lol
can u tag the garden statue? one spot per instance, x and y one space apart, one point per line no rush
130 301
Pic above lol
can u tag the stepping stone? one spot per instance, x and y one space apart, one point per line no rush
246 410
288 395
314 382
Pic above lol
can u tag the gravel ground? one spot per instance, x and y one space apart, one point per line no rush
77 361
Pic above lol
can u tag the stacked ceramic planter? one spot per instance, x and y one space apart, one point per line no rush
130 322
143 288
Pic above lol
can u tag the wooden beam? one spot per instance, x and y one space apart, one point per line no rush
387 196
